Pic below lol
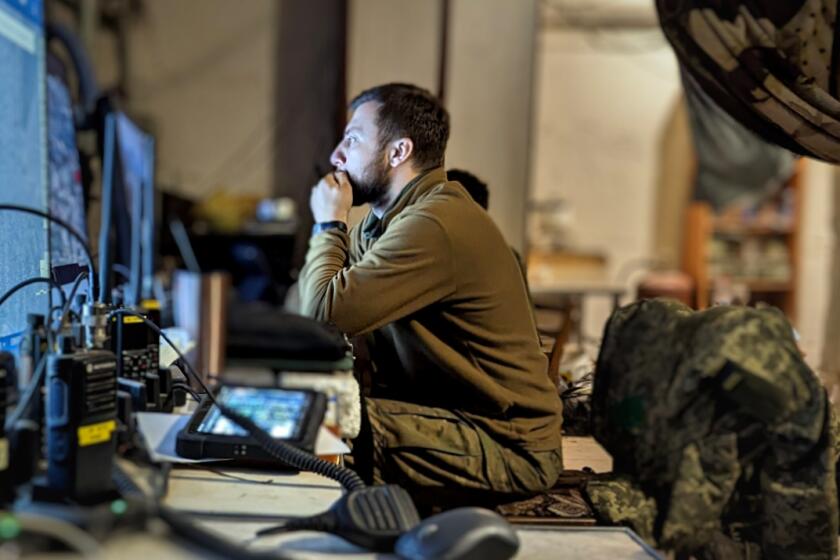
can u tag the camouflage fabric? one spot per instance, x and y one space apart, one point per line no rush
620 501
772 65
444 459
715 417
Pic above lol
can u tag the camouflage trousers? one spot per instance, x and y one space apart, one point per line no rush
443 460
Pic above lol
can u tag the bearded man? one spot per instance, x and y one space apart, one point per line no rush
462 410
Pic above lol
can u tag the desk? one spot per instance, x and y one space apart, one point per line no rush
217 498
566 298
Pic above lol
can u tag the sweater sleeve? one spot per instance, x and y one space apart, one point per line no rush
405 270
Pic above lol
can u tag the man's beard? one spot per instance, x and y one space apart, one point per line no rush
372 186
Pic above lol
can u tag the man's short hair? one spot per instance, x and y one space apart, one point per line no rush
475 186
407 111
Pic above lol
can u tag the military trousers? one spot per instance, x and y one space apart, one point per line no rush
444 460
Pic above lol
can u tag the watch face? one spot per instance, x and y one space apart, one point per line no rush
324 226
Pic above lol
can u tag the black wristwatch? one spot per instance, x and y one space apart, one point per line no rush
324 226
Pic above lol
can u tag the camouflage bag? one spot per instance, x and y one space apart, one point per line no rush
722 438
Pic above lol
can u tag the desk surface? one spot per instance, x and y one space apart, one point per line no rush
217 499
236 503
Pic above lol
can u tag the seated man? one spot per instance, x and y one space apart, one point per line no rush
481 195
464 411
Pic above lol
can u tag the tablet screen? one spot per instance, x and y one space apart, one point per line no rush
277 411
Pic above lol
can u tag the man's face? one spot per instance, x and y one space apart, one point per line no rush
360 155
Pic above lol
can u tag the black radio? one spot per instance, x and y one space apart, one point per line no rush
81 421
130 342
137 358
151 307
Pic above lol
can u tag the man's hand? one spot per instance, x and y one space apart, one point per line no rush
331 198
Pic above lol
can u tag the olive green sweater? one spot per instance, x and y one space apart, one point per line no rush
440 288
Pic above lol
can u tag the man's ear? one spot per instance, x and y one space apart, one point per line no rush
401 149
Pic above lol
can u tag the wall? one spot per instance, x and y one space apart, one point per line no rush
830 359
602 105
201 76
489 96
816 245
393 41
487 89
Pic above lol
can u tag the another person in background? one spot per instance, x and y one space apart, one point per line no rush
463 411
475 186
478 191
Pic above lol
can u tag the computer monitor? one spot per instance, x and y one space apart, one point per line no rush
66 194
23 164
132 205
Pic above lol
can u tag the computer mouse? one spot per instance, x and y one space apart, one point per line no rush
468 533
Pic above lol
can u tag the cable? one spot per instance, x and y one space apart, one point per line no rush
187 389
217 545
62 531
122 270
182 241
66 309
277 449
55 308
34 386
26 399
28 282
70 229
292 455
184 387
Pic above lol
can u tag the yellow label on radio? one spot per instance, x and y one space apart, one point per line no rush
131 319
96 433
150 304
4 454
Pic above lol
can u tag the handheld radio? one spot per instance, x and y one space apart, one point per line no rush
81 421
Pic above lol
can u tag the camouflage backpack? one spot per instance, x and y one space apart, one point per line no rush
722 438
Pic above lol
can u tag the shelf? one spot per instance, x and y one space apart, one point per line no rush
760 285
752 231
711 240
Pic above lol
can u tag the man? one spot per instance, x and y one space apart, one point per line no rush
478 191
463 404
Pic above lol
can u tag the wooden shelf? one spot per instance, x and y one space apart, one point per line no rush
753 231
701 226
761 285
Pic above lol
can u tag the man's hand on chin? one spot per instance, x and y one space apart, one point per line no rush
331 198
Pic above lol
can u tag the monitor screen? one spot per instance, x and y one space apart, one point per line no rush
66 194
23 164
277 411
133 146
132 196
